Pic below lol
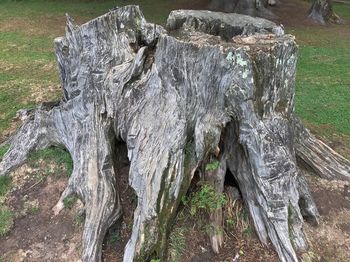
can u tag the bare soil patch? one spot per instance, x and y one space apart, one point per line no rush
37 234
330 241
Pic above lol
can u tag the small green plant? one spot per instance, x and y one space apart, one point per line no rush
177 244
185 200
230 223
243 214
6 220
237 218
79 219
207 199
212 165
114 237
5 184
248 232
155 260
211 229
34 210
241 252
69 202
31 207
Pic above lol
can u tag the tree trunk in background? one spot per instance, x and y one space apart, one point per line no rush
322 12
247 7
212 86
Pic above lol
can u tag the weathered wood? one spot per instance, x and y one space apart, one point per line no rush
316 155
213 85
216 178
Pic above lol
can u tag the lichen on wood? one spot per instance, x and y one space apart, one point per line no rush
209 86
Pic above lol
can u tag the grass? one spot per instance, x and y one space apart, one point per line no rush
79 219
69 202
34 210
323 94
3 150
55 155
26 68
342 10
6 220
31 207
5 185
6 215
88 9
177 244
114 237
236 219
323 78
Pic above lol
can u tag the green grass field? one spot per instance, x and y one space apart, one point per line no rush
323 80
28 73
154 10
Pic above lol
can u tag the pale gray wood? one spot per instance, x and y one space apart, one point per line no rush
315 154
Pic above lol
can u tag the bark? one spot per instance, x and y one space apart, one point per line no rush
213 86
322 12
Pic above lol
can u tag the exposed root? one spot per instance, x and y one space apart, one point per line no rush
315 154
58 207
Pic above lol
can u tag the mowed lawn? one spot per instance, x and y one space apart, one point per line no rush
28 72
323 80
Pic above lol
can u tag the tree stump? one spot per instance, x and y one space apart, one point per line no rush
212 86
322 12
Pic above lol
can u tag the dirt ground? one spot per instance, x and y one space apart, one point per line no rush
330 241
38 236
